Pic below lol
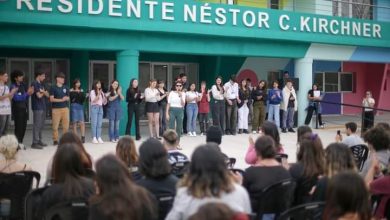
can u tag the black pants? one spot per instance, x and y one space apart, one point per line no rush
231 117
203 122
20 116
163 120
133 109
185 120
368 121
310 111
218 113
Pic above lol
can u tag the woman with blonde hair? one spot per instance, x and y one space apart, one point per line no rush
8 149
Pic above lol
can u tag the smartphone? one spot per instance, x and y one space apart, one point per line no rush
338 132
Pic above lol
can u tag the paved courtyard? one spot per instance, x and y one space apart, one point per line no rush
233 146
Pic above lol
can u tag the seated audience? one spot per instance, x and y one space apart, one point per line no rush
214 135
154 166
338 158
347 198
270 129
127 153
208 180
266 171
378 141
352 138
71 138
302 130
217 211
9 149
309 167
68 179
171 141
117 197
385 126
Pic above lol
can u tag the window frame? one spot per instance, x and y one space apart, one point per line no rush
339 73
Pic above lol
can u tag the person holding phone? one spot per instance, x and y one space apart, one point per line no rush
98 99
368 103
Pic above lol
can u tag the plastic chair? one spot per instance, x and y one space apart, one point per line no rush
280 157
68 210
33 199
273 199
308 211
360 153
15 186
180 168
231 163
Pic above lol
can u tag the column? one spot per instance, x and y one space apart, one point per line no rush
126 69
304 71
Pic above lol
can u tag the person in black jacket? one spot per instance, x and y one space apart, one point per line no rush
133 99
77 99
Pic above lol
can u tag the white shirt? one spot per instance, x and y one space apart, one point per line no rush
353 140
174 100
366 103
186 205
5 104
217 95
192 95
152 95
231 90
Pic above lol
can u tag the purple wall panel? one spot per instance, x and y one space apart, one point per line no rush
329 109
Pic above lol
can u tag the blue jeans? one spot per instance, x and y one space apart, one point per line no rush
273 112
114 129
96 120
288 118
192 113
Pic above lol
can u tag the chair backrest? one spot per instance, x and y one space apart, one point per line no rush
308 211
387 212
231 163
165 203
32 201
280 157
180 168
360 153
275 198
68 210
15 186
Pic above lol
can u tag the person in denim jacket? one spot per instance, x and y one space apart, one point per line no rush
275 97
114 97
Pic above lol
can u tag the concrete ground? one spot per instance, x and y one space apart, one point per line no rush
233 146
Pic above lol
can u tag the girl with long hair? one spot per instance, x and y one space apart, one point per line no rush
204 108
152 96
115 97
175 108
243 109
218 106
133 99
98 99
77 99
259 96
314 96
162 104
127 153
192 99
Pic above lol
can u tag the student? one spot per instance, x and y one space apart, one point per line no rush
183 79
204 108
275 97
152 96
77 99
127 153
114 97
5 103
98 99
192 99
19 104
9 150
59 97
352 138
232 98
162 104
171 143
208 180
175 106
117 197
314 96
218 106
289 105
259 96
368 103
250 101
243 110
133 99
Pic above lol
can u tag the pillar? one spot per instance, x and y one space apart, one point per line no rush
304 72
127 68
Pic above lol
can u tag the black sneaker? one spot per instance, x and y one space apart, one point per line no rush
239 131
138 138
55 143
245 131
42 144
83 139
291 130
36 146
284 130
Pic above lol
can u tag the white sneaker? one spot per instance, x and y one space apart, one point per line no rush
94 140
190 134
201 134
100 140
113 141
194 134
254 132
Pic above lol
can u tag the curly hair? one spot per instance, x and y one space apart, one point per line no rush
9 146
378 138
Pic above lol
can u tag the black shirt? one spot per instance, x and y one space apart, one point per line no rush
38 103
164 100
291 103
304 184
259 92
59 93
131 98
77 97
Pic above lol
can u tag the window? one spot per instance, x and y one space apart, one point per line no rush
272 76
331 82
274 4
353 8
334 81
346 82
319 80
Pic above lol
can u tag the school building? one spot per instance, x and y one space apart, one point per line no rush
344 46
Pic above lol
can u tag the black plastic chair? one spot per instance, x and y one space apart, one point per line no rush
68 210
280 157
33 199
165 203
15 186
231 163
360 153
308 211
180 168
273 199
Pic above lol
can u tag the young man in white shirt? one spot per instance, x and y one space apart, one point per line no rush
232 98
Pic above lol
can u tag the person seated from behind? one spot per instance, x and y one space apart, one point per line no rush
301 131
171 141
347 198
217 211
214 135
266 171
127 153
9 149
385 126
352 138
154 166
68 179
117 197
